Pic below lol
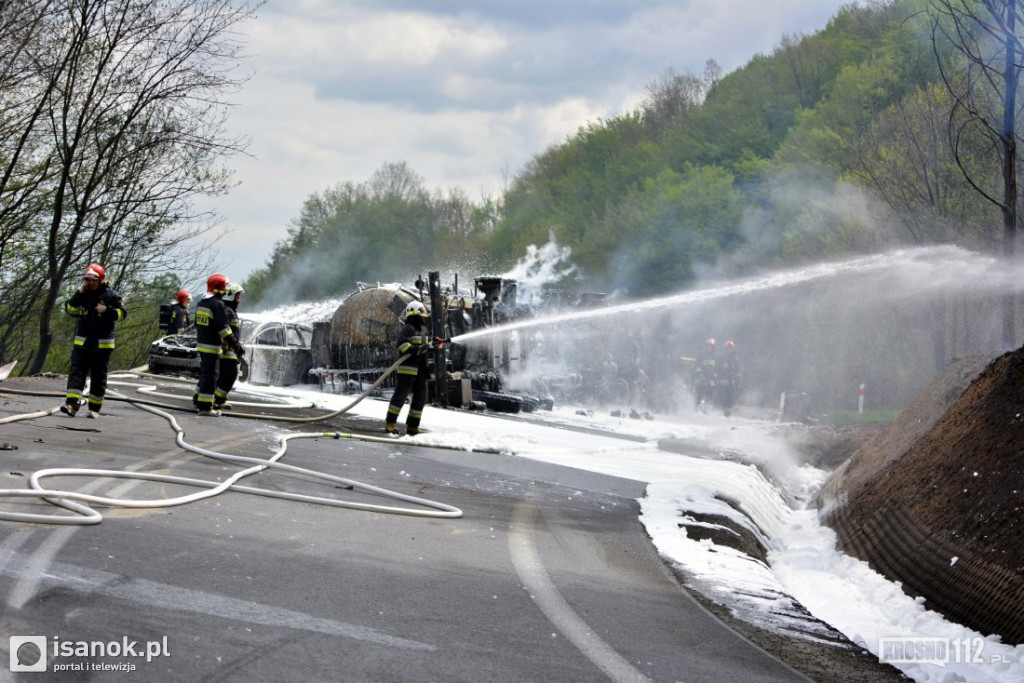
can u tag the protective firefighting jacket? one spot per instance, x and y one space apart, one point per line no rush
91 323
180 318
704 371
213 328
727 371
413 339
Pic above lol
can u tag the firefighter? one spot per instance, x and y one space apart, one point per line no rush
704 376
181 319
413 340
213 334
227 371
727 378
98 308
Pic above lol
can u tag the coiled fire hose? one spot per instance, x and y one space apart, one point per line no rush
87 515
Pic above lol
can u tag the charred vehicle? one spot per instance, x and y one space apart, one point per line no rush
276 353
357 345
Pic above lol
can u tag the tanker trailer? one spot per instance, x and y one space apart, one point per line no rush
358 343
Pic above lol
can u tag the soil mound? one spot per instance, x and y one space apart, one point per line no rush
935 500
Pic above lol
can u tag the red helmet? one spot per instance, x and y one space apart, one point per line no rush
94 270
217 283
182 297
730 344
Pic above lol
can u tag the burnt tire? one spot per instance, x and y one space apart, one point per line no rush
243 370
499 403
530 403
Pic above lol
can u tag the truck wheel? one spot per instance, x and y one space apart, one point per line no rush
499 403
530 403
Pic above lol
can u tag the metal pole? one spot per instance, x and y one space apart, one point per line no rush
437 330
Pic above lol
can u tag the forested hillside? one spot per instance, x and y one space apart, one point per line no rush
836 143
895 124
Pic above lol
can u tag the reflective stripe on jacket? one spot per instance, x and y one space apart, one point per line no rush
213 328
412 340
91 323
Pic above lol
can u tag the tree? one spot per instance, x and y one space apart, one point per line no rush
905 159
122 126
386 228
672 95
653 241
983 76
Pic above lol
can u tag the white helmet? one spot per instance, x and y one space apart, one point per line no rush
415 308
233 290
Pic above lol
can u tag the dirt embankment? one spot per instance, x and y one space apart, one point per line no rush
934 500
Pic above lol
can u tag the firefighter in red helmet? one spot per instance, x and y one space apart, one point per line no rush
181 319
213 335
97 308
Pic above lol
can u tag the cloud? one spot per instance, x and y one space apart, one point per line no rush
465 91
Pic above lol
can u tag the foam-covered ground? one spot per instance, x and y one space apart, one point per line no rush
727 476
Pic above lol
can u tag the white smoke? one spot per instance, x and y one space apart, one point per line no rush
540 267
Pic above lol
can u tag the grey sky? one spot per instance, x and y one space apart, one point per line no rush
466 92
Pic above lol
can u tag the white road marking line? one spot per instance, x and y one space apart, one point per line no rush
544 593
175 598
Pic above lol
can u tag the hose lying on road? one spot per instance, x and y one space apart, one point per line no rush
28 416
85 515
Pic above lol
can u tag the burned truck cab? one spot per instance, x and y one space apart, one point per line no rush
358 344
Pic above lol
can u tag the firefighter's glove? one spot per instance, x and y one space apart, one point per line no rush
239 350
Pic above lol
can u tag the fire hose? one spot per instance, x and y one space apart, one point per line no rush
85 515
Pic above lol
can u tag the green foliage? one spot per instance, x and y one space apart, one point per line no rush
142 299
377 231
796 149
655 236
567 189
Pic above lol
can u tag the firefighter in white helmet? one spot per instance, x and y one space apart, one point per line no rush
230 356
414 340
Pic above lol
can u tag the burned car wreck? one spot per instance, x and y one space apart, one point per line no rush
276 353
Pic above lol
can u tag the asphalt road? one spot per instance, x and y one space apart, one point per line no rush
547 576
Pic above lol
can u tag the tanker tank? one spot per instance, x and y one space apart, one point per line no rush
357 345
